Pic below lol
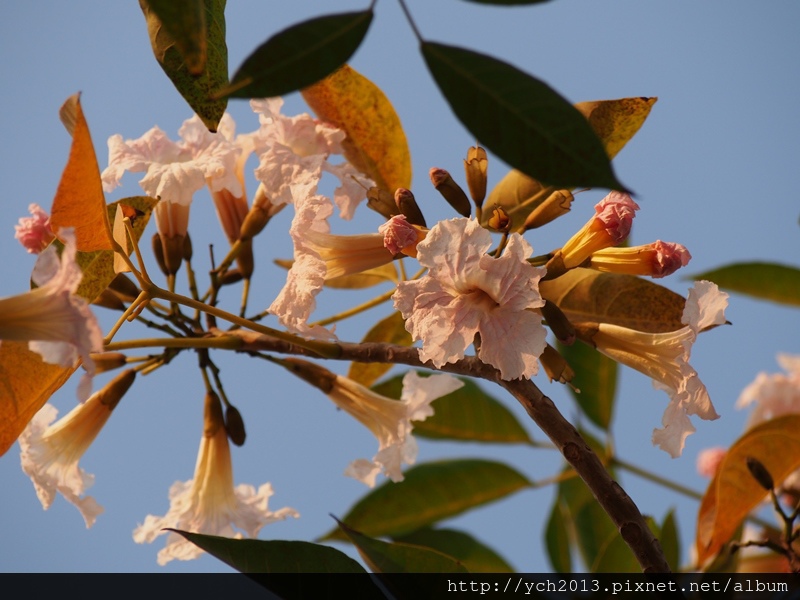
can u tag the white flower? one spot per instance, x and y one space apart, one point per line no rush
468 292
293 153
209 503
175 171
775 394
58 324
390 420
665 358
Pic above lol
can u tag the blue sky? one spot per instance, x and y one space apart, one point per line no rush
713 168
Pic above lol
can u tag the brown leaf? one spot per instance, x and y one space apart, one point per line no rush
79 201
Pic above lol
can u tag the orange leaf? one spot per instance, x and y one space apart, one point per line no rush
733 492
26 382
79 201
376 144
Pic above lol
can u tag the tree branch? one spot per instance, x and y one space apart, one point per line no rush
614 500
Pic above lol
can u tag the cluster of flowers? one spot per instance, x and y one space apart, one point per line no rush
468 296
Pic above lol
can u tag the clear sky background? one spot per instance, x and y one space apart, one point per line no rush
714 167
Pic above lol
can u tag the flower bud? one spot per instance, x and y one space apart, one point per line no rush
187 248
168 252
555 365
259 215
382 202
126 289
401 237
234 425
555 205
499 221
558 323
408 206
245 259
658 259
451 191
760 473
108 361
230 276
475 167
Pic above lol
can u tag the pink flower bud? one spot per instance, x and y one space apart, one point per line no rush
34 232
398 233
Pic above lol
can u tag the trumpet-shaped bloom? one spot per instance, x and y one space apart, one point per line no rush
658 259
294 153
34 232
390 420
56 323
468 292
608 227
209 503
665 358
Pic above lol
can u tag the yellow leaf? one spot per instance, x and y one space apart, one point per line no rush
733 492
376 143
588 296
614 121
391 330
26 383
79 200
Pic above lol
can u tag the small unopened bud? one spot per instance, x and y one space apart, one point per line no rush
245 259
230 276
555 365
451 191
115 389
108 361
168 251
124 287
499 221
408 206
558 323
760 473
475 167
555 205
212 417
259 215
110 300
234 425
187 248
382 202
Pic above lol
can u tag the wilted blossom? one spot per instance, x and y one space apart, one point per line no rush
293 154
34 232
209 503
390 420
468 292
665 358
56 323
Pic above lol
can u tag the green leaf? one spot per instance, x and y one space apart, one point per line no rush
274 556
670 541
385 557
299 56
596 378
185 22
615 555
557 539
588 296
391 330
767 281
431 492
195 89
521 119
474 555
467 414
